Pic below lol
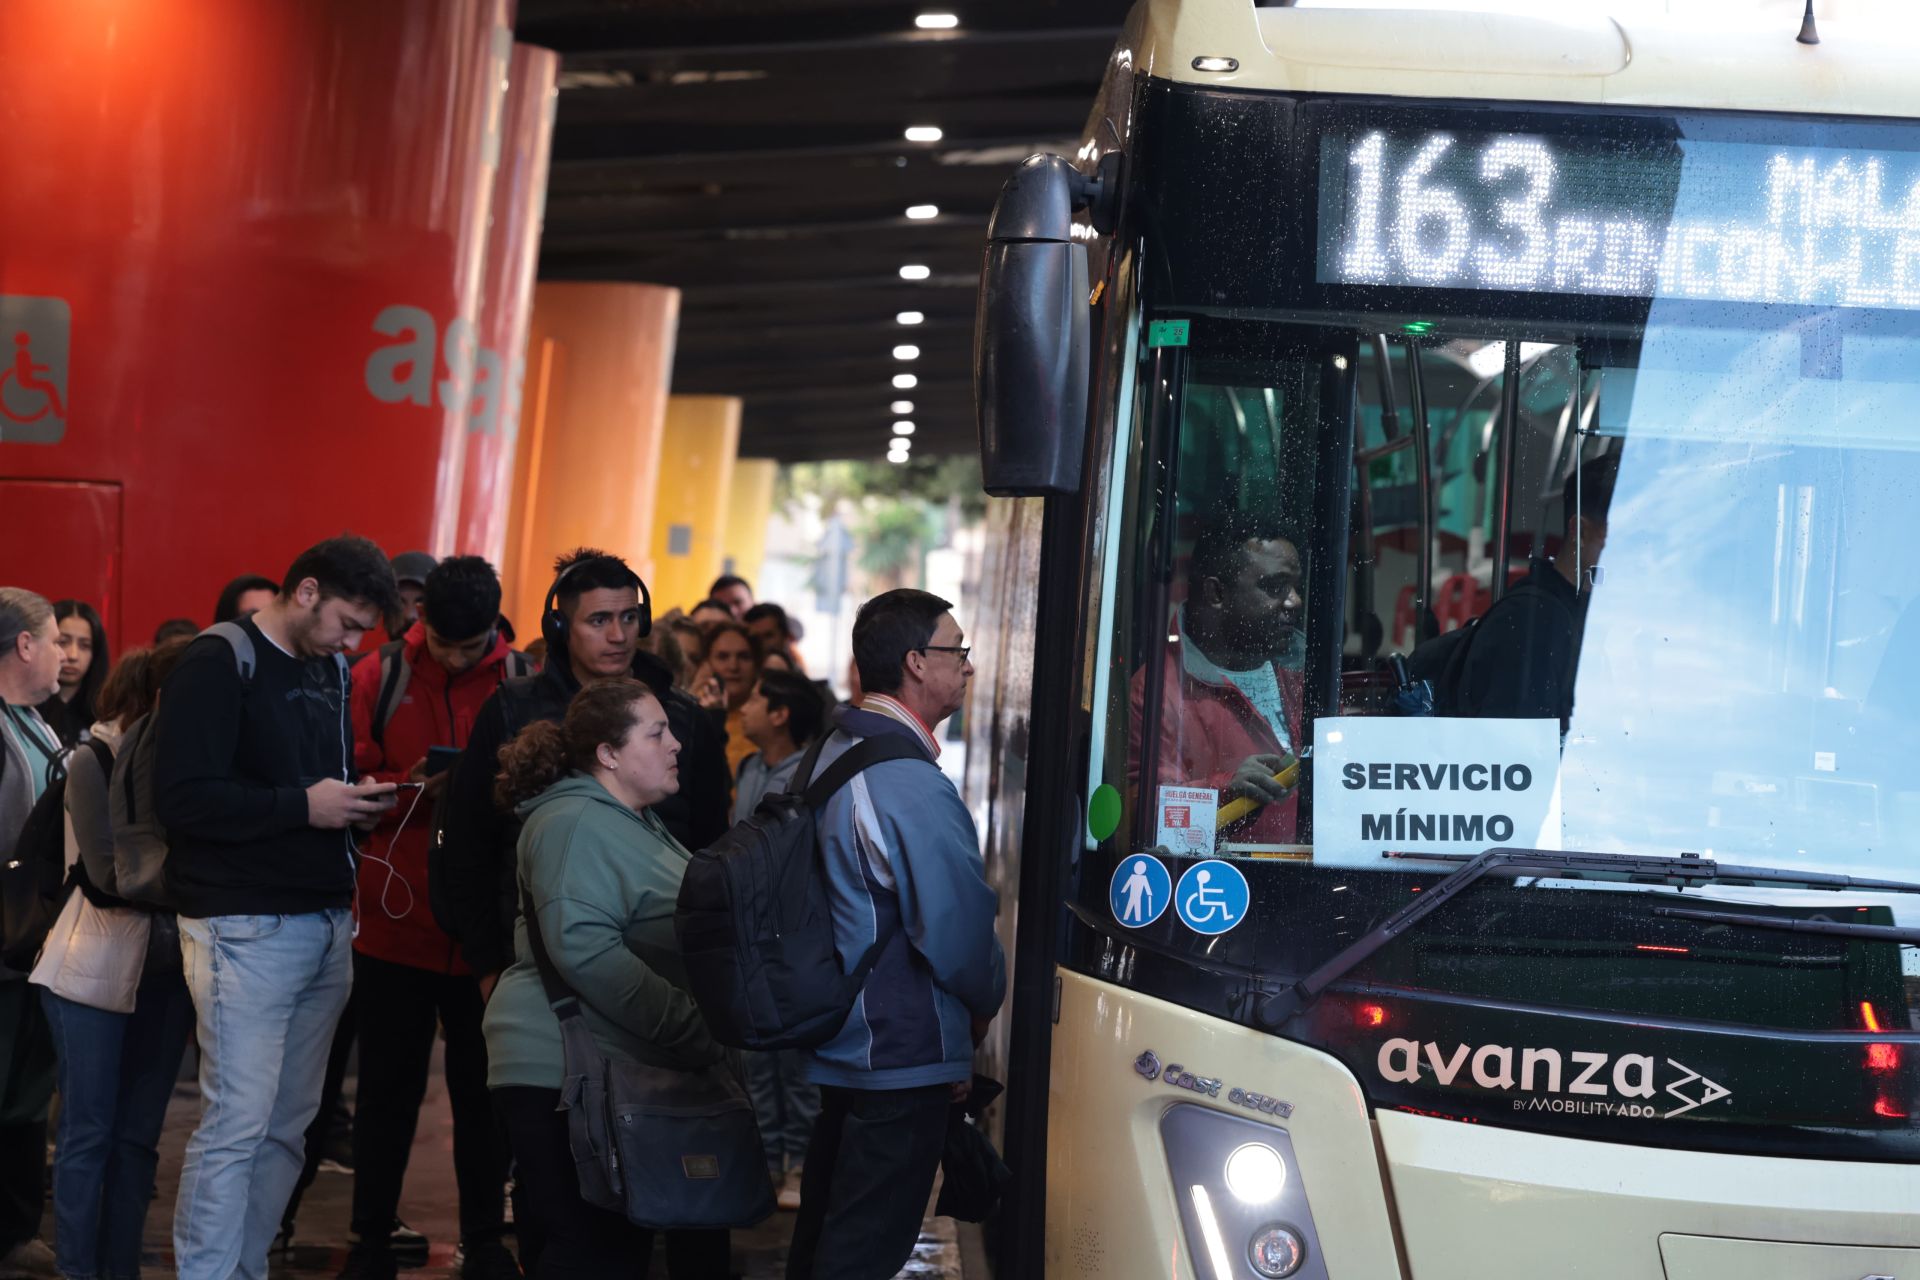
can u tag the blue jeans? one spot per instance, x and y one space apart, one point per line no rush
267 991
783 1102
116 1072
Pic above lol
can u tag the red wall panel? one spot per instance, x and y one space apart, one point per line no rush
227 197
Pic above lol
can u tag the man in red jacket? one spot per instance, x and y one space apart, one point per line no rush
1229 697
419 695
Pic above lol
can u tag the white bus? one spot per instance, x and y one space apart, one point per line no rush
1472 793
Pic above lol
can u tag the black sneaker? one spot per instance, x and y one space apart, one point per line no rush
370 1264
406 1243
487 1260
403 1242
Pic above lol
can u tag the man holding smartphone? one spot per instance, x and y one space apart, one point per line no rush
419 699
254 783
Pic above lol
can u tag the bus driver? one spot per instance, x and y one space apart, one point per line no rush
1229 702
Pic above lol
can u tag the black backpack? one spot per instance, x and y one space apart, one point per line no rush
34 882
395 672
1442 661
754 921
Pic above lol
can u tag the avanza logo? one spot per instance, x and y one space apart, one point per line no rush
1608 1080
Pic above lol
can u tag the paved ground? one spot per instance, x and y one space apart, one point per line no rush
430 1206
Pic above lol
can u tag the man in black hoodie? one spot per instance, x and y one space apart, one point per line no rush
253 781
471 869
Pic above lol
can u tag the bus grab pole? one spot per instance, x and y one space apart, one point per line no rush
1423 462
1509 437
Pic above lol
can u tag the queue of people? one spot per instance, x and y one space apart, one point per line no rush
406 824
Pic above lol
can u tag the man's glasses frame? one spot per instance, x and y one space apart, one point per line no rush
962 649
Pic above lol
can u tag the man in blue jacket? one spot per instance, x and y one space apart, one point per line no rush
903 865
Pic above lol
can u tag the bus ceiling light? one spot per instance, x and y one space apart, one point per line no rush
906 351
901 406
1256 1174
924 133
910 317
905 382
1216 64
937 21
921 212
915 271
903 428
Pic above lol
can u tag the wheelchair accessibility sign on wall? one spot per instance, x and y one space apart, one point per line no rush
1211 897
33 369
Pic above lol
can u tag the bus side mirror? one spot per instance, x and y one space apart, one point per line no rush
1030 335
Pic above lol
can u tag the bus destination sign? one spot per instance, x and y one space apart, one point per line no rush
1670 218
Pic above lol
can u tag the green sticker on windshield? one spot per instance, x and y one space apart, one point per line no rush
1103 812
1167 333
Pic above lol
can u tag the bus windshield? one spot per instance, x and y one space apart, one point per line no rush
1396 575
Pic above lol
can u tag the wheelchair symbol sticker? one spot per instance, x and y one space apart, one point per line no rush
1140 891
33 369
1212 897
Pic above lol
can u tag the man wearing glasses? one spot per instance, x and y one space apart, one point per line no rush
903 870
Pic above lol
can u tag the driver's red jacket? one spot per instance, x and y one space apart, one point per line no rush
1207 728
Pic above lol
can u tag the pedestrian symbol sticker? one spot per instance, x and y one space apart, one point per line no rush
1142 887
33 369
1212 897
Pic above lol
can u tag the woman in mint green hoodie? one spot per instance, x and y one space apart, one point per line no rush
603 875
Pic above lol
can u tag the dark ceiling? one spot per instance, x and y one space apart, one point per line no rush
752 153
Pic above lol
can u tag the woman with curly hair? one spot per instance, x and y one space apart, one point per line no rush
601 875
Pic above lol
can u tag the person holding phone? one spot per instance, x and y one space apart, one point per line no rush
256 788
408 974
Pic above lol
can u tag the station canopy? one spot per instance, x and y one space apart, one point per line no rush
756 154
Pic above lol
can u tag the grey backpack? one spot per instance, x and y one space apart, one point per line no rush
139 841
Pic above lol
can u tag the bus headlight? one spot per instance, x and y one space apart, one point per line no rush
1256 1174
1242 1196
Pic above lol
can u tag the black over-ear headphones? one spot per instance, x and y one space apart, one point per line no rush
553 622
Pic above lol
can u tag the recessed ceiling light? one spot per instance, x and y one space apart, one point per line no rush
903 428
906 351
937 21
921 212
915 271
901 406
905 382
924 133
909 317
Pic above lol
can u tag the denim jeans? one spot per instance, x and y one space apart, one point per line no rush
267 991
783 1102
116 1072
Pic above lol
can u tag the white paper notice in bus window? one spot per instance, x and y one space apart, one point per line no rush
1187 817
1432 785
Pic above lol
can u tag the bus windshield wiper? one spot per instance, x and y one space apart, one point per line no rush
1833 928
1690 869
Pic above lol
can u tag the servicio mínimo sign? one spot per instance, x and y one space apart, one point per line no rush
1432 785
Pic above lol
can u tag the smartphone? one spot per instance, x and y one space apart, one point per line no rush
407 790
440 759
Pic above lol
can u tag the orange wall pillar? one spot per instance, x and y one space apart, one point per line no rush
598 361
702 436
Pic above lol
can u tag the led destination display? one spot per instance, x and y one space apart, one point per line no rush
1676 217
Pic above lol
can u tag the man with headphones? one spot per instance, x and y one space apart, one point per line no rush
596 614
